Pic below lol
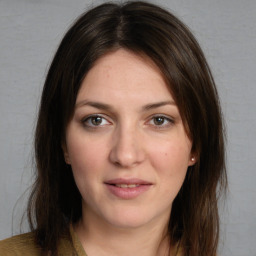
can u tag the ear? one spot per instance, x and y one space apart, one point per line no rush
65 153
192 160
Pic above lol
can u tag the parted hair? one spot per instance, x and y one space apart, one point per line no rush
144 29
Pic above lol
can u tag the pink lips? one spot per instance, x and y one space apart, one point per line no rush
127 188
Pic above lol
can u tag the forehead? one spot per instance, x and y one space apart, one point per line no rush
123 76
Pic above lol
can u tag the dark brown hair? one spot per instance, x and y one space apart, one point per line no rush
149 30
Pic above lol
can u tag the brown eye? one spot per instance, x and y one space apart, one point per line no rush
94 121
159 120
97 120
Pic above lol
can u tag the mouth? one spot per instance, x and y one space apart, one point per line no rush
126 185
127 188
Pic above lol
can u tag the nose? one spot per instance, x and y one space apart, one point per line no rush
127 148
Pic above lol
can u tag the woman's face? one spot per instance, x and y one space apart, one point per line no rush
126 143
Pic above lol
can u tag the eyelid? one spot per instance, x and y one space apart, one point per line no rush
170 120
88 117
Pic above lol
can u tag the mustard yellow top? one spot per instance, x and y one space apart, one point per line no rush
24 245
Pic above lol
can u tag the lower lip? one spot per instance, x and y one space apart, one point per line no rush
128 193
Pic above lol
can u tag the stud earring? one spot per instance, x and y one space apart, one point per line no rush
192 159
66 157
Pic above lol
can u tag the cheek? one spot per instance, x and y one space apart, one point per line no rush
170 155
171 162
85 157
85 160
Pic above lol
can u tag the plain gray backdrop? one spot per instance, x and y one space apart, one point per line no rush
30 31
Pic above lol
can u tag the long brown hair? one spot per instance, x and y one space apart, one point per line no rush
147 29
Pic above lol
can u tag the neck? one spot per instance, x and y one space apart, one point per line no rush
102 239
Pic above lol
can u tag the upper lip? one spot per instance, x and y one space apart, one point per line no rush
127 181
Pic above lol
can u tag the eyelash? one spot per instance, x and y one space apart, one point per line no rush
167 121
87 121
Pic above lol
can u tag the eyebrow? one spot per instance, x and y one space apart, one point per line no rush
94 104
157 105
107 107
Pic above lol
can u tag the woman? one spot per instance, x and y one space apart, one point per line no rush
129 141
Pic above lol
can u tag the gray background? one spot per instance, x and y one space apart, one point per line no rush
30 31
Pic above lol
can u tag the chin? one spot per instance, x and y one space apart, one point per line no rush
129 220
128 223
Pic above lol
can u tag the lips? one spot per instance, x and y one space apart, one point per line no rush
127 188
128 181
126 185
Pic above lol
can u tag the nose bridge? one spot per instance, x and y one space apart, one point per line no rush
126 148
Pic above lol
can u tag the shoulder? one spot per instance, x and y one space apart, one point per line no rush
20 245
24 245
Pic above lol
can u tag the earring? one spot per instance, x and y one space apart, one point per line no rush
66 157
192 159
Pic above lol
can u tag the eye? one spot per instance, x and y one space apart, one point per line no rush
161 121
95 121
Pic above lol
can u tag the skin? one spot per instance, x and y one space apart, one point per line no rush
126 125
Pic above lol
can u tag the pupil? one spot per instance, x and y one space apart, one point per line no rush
159 120
97 120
